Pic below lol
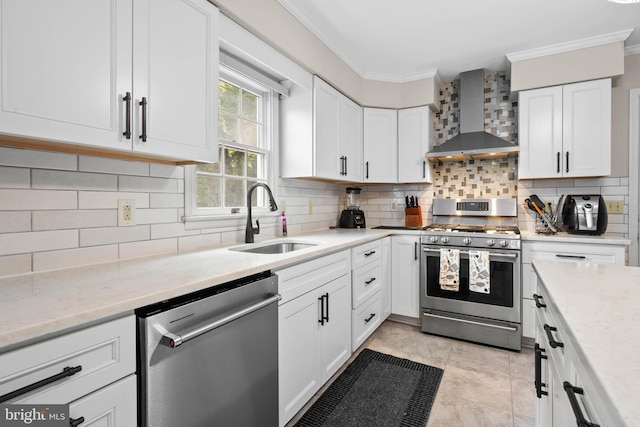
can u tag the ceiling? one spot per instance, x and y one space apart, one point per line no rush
409 39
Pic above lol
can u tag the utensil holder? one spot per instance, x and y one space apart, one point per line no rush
542 227
413 217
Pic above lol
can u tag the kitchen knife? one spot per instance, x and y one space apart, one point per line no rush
413 202
406 201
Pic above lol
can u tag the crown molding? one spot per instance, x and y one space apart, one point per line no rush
392 78
619 36
632 50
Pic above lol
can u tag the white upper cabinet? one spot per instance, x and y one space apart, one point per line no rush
565 131
329 146
415 133
68 65
380 145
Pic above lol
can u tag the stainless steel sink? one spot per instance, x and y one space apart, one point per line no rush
275 248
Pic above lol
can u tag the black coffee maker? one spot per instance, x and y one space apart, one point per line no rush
352 217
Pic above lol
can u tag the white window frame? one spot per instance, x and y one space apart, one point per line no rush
270 112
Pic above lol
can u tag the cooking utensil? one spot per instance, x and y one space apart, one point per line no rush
534 207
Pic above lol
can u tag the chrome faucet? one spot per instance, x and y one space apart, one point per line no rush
250 231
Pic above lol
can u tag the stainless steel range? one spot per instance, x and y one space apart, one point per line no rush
470 285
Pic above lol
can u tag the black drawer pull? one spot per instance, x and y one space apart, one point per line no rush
369 318
66 372
321 320
571 256
424 169
75 422
127 130
143 103
370 281
538 380
537 299
571 391
369 253
558 162
367 168
553 343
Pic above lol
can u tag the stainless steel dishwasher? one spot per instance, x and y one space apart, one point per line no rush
211 358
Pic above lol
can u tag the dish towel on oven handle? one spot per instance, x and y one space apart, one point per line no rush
450 269
479 272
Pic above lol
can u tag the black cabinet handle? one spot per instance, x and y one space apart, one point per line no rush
326 317
415 251
424 169
537 299
75 422
143 103
367 169
567 165
127 130
538 380
346 162
558 162
370 281
571 256
553 343
571 391
66 372
342 165
367 320
321 320
369 253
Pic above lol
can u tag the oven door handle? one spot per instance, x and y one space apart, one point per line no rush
490 325
491 254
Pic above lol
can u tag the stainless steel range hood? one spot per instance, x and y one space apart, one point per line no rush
472 142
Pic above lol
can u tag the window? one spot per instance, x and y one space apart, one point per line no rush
245 119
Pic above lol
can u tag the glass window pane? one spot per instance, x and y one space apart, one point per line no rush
249 133
229 128
254 165
249 106
229 97
234 162
209 192
211 167
234 193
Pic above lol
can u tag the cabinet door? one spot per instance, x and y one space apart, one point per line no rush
543 403
405 272
350 138
176 72
299 353
540 133
380 145
385 293
113 406
335 334
328 162
586 138
415 131
66 66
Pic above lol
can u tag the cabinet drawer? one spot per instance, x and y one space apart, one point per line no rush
307 276
365 320
366 253
593 253
366 281
114 405
106 353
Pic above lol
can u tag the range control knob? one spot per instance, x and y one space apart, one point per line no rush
491 242
503 243
433 239
444 240
466 241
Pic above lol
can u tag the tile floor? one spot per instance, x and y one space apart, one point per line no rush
481 386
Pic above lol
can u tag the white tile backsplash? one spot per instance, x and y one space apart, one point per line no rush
14 177
18 200
37 241
63 180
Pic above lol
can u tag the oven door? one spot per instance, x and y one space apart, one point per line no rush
501 303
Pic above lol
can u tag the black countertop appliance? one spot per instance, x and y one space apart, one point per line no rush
352 217
585 214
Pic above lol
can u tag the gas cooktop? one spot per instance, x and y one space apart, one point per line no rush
473 228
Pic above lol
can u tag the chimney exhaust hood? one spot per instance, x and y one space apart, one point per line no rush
472 142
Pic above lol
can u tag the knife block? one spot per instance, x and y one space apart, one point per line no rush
413 217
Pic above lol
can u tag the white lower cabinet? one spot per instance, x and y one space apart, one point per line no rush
561 376
558 251
385 295
314 330
98 365
405 273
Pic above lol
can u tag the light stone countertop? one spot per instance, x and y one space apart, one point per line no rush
34 306
562 237
598 306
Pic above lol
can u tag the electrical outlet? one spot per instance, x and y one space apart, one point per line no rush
615 206
310 207
394 205
126 212
283 205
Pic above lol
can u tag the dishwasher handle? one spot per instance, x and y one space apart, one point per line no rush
174 340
